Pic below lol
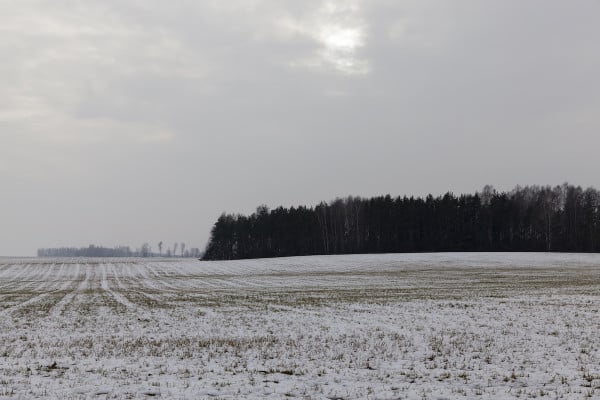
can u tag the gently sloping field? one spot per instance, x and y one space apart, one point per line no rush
391 326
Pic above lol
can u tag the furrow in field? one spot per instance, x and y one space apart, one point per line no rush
78 281
8 273
62 274
45 305
150 279
7 270
75 301
43 281
170 269
127 277
50 280
16 277
157 273
24 304
140 290
174 268
156 270
34 277
117 296
38 295
20 289
245 283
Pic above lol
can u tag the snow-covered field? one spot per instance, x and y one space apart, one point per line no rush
393 326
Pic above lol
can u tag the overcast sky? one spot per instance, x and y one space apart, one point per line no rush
131 121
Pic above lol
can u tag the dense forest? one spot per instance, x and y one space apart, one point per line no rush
533 218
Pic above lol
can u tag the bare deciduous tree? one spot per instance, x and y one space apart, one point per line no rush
146 250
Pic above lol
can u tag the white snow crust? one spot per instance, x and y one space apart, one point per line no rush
388 326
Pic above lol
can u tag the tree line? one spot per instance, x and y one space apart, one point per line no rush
563 218
145 250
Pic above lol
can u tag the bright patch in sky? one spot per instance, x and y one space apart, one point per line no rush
341 44
341 39
339 32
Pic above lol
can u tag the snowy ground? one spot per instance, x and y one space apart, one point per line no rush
441 326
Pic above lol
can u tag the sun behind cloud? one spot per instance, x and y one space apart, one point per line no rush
339 31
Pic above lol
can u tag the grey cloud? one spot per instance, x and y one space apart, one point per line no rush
132 121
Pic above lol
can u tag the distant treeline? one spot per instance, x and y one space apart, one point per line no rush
119 251
533 218
91 251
